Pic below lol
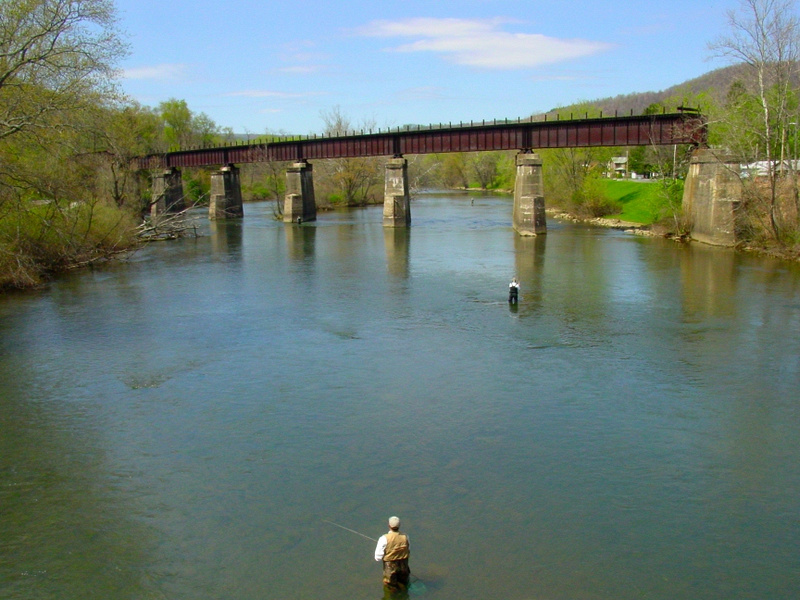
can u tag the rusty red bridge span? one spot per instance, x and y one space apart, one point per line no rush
686 127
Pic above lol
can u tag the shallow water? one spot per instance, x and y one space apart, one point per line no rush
183 425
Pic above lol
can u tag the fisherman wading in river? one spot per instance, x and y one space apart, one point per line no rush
393 550
513 291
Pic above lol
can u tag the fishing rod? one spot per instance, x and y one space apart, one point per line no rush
350 530
414 578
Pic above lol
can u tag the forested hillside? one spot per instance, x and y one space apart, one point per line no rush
712 86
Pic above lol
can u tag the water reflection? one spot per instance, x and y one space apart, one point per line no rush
529 257
397 242
708 278
300 241
226 236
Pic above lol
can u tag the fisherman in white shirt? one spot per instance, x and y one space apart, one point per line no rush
513 291
393 550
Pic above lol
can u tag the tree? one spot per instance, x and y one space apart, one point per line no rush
354 180
205 130
455 170
128 131
571 174
485 168
423 172
55 56
765 36
572 179
177 122
57 62
183 129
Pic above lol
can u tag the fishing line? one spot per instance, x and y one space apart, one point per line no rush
414 578
350 530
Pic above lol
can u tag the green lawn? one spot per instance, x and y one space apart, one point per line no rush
642 200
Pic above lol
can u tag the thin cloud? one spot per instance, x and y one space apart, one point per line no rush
163 72
431 27
301 57
422 93
557 78
272 94
482 43
300 69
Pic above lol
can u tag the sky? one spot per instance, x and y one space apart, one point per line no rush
283 66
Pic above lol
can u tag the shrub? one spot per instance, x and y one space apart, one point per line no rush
591 199
37 239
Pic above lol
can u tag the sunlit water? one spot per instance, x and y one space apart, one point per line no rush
188 425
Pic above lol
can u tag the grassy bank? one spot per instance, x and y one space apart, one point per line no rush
642 201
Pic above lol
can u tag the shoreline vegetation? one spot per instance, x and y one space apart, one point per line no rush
104 240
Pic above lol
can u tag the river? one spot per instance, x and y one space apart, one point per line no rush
204 420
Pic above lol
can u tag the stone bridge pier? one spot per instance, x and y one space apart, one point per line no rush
528 214
167 192
711 196
396 198
226 194
299 203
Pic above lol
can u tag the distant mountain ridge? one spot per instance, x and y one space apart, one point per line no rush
716 83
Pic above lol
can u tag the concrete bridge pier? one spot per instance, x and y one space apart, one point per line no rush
299 203
711 196
167 192
396 199
226 194
528 215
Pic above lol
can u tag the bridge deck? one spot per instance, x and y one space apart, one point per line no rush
663 129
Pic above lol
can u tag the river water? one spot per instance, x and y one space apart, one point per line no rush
204 420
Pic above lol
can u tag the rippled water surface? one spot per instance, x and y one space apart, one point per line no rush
189 424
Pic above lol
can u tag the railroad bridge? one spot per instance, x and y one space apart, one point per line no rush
525 136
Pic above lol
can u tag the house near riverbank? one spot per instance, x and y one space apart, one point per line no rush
618 168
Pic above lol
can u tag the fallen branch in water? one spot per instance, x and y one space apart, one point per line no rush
168 226
100 257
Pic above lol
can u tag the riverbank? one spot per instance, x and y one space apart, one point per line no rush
638 228
38 244
23 271
784 253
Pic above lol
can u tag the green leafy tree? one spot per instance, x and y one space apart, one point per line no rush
177 123
349 181
265 181
571 177
57 61
205 131
56 56
638 161
485 168
506 171
455 170
183 129
424 172
128 131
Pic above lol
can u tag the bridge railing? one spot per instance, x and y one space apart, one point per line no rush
686 127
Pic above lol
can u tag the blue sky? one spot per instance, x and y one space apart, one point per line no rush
277 67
